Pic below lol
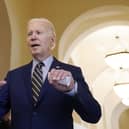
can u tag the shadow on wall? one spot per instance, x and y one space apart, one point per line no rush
5 40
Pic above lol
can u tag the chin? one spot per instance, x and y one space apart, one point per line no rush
37 56
35 52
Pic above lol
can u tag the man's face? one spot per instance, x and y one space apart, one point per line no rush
40 39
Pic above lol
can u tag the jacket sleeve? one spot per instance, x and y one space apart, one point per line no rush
84 103
4 99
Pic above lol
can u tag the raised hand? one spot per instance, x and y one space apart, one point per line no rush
2 82
55 77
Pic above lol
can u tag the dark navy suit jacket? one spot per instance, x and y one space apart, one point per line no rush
54 108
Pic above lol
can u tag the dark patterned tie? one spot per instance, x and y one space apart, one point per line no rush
37 81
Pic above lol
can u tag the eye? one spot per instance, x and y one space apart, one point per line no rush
38 32
30 33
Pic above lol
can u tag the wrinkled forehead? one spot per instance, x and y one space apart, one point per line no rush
40 23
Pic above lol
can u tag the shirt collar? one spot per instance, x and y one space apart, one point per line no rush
47 62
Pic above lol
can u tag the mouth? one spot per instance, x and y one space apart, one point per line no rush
35 45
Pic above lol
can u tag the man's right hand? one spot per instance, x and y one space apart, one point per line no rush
2 82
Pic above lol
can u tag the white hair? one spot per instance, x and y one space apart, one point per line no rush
45 20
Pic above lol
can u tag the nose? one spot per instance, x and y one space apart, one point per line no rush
33 36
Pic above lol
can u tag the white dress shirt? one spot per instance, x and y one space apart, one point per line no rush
47 64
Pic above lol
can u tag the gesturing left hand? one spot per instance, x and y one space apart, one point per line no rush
56 75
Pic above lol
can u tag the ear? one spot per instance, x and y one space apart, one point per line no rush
53 39
53 43
52 46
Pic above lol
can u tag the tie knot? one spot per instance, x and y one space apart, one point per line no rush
40 65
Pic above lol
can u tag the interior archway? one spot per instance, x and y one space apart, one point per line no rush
91 59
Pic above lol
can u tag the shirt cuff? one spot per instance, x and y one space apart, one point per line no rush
73 91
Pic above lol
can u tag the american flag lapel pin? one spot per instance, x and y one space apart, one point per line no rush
57 67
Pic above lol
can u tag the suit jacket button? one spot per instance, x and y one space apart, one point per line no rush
34 113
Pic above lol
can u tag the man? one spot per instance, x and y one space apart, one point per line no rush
49 106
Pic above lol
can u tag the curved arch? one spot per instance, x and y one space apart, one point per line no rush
79 29
113 109
18 13
85 34
5 37
89 21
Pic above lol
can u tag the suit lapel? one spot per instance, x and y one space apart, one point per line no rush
27 80
56 64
